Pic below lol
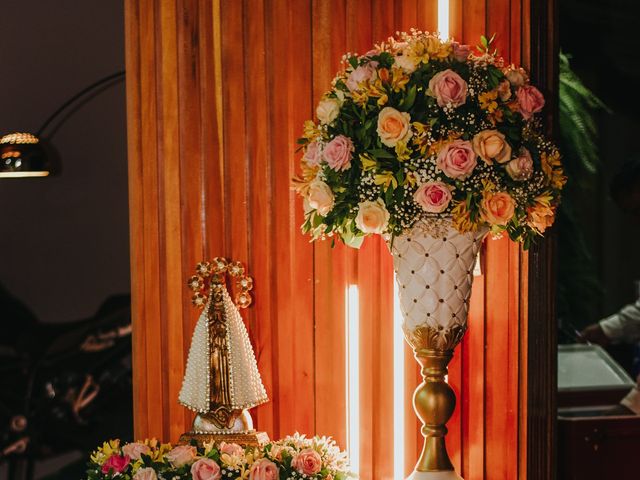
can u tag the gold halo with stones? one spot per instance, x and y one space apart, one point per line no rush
215 271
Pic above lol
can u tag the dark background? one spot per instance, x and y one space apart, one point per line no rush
64 240
603 39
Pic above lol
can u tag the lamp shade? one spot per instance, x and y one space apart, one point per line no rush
23 155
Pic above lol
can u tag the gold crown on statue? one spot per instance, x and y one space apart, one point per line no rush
215 271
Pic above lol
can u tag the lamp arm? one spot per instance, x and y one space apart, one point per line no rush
81 93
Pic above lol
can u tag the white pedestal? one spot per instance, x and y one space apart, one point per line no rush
451 475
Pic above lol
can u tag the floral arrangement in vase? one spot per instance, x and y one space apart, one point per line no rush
296 456
423 128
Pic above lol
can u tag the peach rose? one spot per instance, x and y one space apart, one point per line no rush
530 100
182 455
320 197
491 145
457 159
393 126
328 110
338 152
433 197
521 168
115 463
313 154
449 88
461 52
135 450
146 473
372 217
308 462
516 76
497 208
205 469
264 469
362 73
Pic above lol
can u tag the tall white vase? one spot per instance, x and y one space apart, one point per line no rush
434 270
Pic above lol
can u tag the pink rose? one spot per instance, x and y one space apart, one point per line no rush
516 76
393 126
461 52
205 469
146 473
264 469
308 461
135 450
530 100
313 154
338 153
504 90
115 464
182 455
457 159
433 197
497 208
361 74
521 168
449 88
231 449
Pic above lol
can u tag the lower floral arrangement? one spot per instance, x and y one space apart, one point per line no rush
295 457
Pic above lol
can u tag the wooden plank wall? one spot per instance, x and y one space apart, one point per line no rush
217 93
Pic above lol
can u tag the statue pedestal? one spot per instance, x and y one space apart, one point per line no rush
450 475
251 438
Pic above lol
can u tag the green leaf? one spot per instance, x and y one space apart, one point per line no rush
381 153
408 101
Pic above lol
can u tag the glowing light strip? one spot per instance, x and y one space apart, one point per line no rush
398 387
352 335
443 19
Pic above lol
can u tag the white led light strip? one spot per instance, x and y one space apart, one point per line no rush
352 335
443 19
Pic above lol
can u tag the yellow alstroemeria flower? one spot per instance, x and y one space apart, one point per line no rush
105 451
411 179
368 163
461 218
437 48
301 183
418 52
310 130
399 79
402 151
488 101
552 168
360 97
386 179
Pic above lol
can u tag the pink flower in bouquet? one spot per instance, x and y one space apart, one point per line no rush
491 145
540 217
313 154
276 452
205 469
433 197
521 168
504 90
328 110
449 88
264 469
182 455
338 153
393 126
146 473
457 159
516 76
460 51
361 74
135 450
372 217
530 100
497 208
115 463
231 449
308 461
405 62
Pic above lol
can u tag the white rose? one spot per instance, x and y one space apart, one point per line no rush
328 110
145 474
320 197
372 217
393 126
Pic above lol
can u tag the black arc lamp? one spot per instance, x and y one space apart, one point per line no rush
30 155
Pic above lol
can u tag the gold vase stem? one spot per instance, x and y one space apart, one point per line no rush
434 403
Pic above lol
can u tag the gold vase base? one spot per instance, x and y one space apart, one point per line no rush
441 475
248 439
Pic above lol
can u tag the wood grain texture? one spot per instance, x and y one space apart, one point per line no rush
217 92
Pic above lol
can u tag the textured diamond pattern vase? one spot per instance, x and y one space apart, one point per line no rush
434 270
